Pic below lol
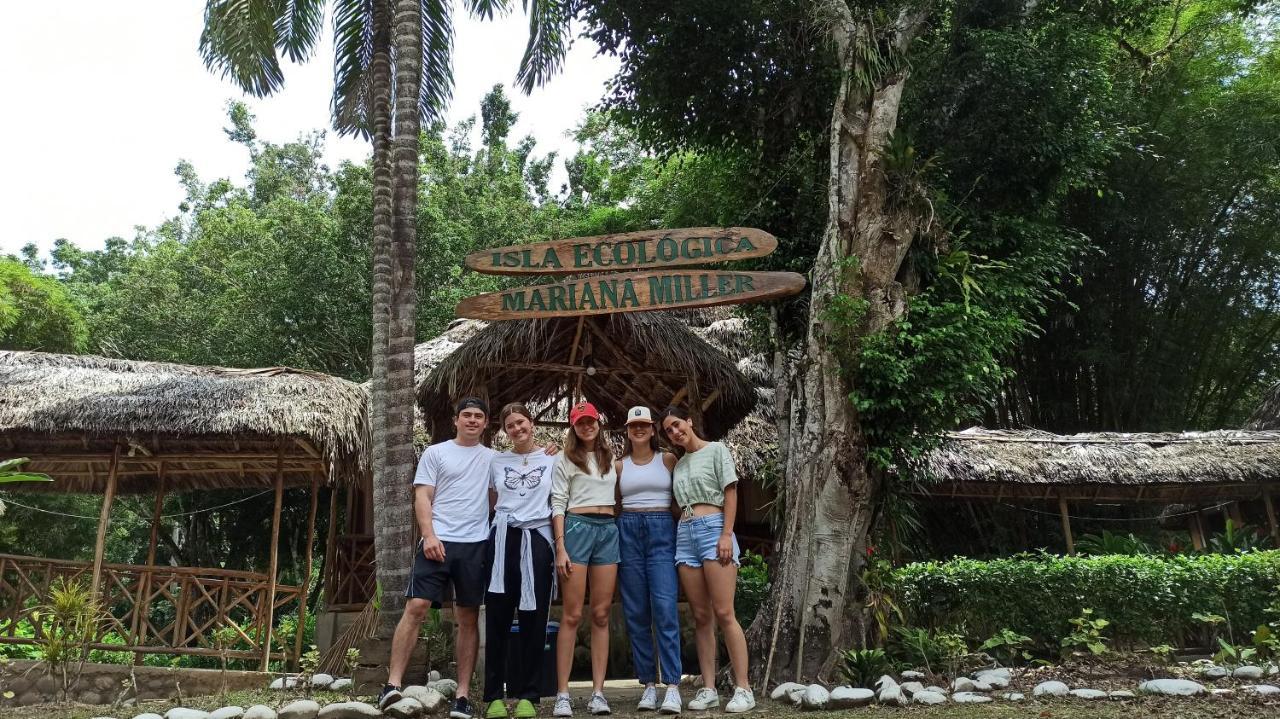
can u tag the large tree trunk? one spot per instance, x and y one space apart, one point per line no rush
393 519
814 609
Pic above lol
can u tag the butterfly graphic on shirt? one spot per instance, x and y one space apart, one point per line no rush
524 481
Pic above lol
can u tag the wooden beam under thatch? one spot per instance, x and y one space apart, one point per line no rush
211 427
634 358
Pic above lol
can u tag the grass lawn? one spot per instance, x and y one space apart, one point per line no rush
1156 708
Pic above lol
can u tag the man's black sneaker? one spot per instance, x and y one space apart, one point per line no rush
390 695
461 709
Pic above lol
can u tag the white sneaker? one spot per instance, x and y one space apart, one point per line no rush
704 699
743 701
598 705
671 701
648 700
563 707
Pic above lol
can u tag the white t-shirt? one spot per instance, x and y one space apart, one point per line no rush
523 484
460 511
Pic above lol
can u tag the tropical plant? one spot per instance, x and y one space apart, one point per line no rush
880 603
1163 653
1234 539
69 621
1007 646
862 667
307 665
1085 635
224 638
1105 542
752 587
935 651
350 660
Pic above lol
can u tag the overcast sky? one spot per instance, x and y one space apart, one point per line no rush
104 98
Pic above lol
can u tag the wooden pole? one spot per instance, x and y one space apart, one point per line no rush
104 518
1066 525
272 565
331 547
1197 531
1271 514
142 605
306 581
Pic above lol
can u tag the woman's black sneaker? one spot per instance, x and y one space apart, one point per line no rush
390 695
461 709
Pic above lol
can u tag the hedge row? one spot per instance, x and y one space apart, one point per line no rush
1148 599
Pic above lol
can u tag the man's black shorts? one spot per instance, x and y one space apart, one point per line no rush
464 567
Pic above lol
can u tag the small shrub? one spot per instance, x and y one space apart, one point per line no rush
935 651
69 621
1107 543
307 665
862 667
1086 635
1008 647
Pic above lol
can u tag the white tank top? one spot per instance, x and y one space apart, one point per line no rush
645 486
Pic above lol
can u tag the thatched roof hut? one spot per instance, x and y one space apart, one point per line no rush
202 427
614 361
1160 467
1267 415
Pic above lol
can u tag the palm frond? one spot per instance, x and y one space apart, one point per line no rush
239 40
487 9
436 86
354 25
549 42
298 27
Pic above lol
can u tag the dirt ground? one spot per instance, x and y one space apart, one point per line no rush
623 695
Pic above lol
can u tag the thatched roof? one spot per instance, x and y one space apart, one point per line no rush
1154 466
632 358
211 426
1267 415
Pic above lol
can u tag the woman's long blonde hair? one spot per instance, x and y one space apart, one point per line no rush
576 452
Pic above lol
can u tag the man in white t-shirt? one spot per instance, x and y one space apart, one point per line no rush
451 505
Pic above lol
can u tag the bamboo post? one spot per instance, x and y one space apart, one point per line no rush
142 605
331 547
1197 531
306 581
272 565
1271 514
104 518
1066 525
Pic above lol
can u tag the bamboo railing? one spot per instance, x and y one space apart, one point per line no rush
153 609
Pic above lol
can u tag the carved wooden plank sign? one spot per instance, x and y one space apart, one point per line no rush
631 292
648 250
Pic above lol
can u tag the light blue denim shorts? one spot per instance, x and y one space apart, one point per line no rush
696 539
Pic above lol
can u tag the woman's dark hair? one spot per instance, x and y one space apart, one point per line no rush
576 452
653 440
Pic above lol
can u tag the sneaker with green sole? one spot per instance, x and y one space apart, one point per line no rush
497 710
525 710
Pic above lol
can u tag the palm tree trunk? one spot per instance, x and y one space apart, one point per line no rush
392 544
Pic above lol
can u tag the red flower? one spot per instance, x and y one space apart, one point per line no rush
871 550
1174 547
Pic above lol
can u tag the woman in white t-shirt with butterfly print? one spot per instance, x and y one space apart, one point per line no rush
522 564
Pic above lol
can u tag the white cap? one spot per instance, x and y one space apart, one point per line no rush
639 414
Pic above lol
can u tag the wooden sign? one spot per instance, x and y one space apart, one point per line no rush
630 251
631 292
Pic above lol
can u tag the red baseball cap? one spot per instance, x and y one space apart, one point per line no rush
583 409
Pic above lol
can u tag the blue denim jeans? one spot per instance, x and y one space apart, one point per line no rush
649 592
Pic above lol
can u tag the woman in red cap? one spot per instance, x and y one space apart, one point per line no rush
586 544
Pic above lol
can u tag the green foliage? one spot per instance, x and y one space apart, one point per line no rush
862 667
1233 539
1008 647
307 665
36 313
752 588
1148 599
934 650
9 473
1105 542
1085 635
68 622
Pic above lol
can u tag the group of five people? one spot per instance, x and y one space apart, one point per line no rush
501 528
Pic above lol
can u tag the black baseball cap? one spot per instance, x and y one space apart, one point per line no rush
471 403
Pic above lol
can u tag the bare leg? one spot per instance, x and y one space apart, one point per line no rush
573 590
603 579
468 646
405 638
704 631
721 582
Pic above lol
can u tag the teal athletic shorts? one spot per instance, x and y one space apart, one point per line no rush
591 540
